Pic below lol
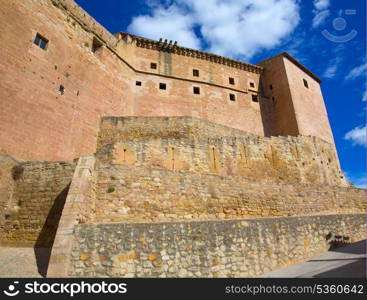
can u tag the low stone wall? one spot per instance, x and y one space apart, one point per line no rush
233 248
35 204
141 194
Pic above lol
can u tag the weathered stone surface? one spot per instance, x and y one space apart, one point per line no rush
210 248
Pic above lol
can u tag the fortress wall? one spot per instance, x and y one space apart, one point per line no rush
143 194
284 118
231 248
39 123
308 103
196 146
37 200
8 174
36 121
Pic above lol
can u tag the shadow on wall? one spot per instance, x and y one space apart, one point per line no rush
336 241
45 240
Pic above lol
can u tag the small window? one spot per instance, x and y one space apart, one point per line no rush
195 73
61 90
196 90
96 45
162 86
153 66
231 80
270 87
232 97
255 98
40 41
305 83
273 99
138 83
252 84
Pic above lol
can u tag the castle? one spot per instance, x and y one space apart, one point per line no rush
126 156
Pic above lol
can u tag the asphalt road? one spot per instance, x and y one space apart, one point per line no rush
345 262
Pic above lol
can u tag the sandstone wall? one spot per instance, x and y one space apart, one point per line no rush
41 122
37 200
197 146
233 248
141 194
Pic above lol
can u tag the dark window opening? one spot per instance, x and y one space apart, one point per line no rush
96 45
305 83
138 83
153 66
255 98
195 73
61 90
162 86
40 41
232 97
273 98
196 90
252 84
271 87
231 80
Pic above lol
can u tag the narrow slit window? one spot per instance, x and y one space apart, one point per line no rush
162 86
232 97
61 90
255 98
195 73
305 83
153 66
196 90
231 80
252 84
271 87
40 41
96 45
138 83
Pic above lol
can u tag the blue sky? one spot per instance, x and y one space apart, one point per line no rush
327 36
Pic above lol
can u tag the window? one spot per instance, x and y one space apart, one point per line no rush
305 83
138 83
61 90
196 90
231 80
252 84
232 97
195 73
40 41
273 99
255 98
270 87
153 66
96 45
162 86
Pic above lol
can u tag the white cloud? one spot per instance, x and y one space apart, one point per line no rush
235 28
364 96
331 71
357 72
321 12
321 4
319 18
357 136
170 23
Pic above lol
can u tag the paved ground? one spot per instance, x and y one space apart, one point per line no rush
22 262
345 262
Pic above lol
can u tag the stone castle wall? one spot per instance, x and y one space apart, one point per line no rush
231 248
197 146
34 207
41 123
